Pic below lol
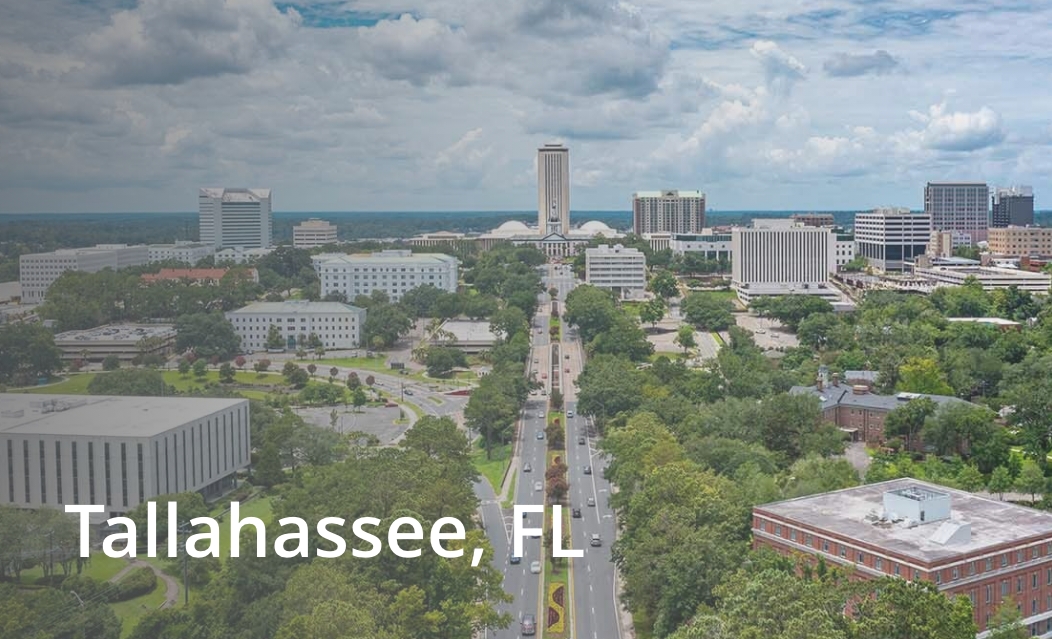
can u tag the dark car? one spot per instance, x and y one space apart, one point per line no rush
576 513
527 468
580 440
528 625
587 470
514 560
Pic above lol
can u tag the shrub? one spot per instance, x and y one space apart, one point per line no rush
136 583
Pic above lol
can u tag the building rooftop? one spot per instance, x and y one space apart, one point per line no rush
189 273
103 415
849 513
669 193
9 291
844 395
385 257
315 223
995 321
470 332
237 195
297 306
115 333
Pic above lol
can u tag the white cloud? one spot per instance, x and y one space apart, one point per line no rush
781 69
954 130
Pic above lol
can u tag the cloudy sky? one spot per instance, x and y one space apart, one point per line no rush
118 105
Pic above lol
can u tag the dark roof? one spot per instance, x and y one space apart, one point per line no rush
843 395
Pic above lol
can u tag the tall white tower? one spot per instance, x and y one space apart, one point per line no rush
235 217
553 189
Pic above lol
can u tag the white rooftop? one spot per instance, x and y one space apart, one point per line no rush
467 331
385 257
103 415
845 513
297 306
116 333
237 195
670 193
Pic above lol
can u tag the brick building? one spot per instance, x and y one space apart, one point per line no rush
971 546
857 410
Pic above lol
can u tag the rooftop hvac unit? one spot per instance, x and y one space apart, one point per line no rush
13 413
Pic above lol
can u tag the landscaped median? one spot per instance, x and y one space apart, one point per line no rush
556 574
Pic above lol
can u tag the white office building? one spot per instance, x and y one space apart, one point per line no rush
843 247
668 212
889 238
339 326
118 452
235 217
710 244
959 206
187 252
553 189
37 271
394 272
623 270
313 233
776 258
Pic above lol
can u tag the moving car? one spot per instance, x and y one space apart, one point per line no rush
587 470
576 512
409 391
528 625
591 501
514 560
540 434
535 567
596 540
538 486
527 467
580 440
569 413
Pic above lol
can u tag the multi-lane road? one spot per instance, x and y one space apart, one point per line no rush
594 613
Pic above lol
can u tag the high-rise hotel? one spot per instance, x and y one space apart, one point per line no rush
553 189
668 212
235 218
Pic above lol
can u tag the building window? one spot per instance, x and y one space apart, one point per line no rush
10 472
792 534
58 472
1033 581
43 475
843 551
91 472
106 471
778 529
954 578
1019 584
142 482
1004 588
880 564
1004 560
897 571
1019 556
938 576
825 545
76 474
989 588
971 568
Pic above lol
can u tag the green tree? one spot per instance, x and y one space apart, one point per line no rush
508 322
664 285
27 352
708 312
591 310
1007 621
685 337
608 386
958 428
207 335
908 419
652 311
226 373
130 381
312 369
1000 482
441 360
385 324
969 478
200 368
1031 480
268 470
274 339
358 398
922 375
184 367
623 337
791 309
111 363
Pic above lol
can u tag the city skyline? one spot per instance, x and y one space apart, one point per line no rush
115 107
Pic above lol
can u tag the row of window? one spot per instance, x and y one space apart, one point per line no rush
75 465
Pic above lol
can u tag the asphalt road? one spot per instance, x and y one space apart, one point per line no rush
594 612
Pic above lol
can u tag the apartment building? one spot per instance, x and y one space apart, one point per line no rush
394 272
1017 241
668 212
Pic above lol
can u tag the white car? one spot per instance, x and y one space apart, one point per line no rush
535 567
538 486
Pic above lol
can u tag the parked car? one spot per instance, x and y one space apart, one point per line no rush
538 486
596 540
566 356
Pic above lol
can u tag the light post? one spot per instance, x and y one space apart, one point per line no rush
184 530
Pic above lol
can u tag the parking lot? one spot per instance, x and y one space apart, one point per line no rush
768 333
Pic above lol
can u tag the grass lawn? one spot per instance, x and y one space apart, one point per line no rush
510 501
258 507
131 611
75 384
182 384
375 364
719 340
492 469
101 568
730 296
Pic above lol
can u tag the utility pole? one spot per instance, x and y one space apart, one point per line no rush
184 530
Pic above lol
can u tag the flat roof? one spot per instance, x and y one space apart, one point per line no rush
470 332
117 333
103 415
997 321
297 306
9 290
844 395
844 512
376 258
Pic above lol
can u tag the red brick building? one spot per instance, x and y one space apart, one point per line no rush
983 549
198 275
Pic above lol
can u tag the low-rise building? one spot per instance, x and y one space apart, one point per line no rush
338 326
1018 241
469 336
814 219
313 233
439 238
709 244
123 341
198 275
620 269
394 272
989 277
38 271
988 550
241 255
187 252
859 412
118 452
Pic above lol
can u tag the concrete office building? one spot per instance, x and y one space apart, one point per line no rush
814 219
241 255
553 189
124 341
37 271
235 217
958 206
990 277
668 212
1017 241
469 336
394 272
710 244
890 237
118 451
313 233
620 269
778 257
339 326
970 546
1012 206
187 252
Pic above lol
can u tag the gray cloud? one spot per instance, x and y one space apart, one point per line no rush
847 65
